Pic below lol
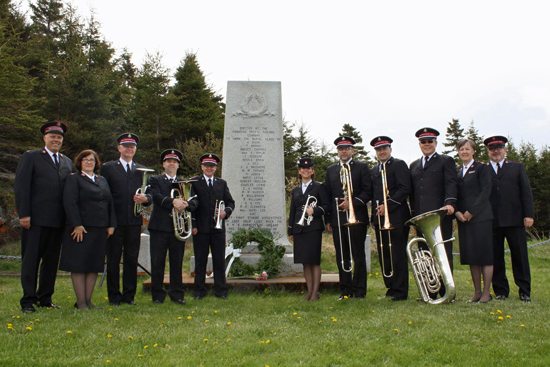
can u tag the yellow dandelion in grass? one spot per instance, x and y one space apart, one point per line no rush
109 336
130 337
370 275
297 336
69 297
166 346
106 298
69 332
179 318
228 340
36 320
116 319
18 317
508 316
299 317
522 325
501 318
334 320
339 357
346 297
215 343
320 321
108 361
396 330
376 274
140 355
29 328
373 311
268 341
499 311
410 322
145 347
215 311
262 342
192 312
229 323
492 313
205 340
206 320
154 346
188 317
295 313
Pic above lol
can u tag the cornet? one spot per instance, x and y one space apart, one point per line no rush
183 226
139 209
309 218
220 205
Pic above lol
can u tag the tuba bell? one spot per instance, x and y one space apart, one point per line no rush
183 226
431 267
139 209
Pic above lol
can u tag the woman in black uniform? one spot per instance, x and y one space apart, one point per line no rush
307 236
475 220
90 220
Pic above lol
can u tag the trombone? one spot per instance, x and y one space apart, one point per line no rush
347 187
342 246
387 225
217 214
183 226
139 209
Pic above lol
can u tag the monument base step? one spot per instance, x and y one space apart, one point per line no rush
328 281
288 268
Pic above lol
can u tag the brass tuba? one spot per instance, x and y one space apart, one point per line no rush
431 267
307 221
139 209
183 226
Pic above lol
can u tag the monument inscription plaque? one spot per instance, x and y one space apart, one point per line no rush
253 157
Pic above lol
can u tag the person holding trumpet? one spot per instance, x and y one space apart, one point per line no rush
391 186
349 188
215 205
308 205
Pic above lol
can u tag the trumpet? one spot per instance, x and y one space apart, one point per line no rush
387 225
139 209
431 267
217 214
183 226
309 218
347 187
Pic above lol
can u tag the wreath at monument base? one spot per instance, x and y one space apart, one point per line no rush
271 254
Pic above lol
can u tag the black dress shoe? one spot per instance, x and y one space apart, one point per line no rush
501 297
48 305
524 297
158 301
28 309
115 303
179 301
130 303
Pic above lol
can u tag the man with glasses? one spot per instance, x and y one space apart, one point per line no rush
434 185
353 236
39 182
124 180
513 211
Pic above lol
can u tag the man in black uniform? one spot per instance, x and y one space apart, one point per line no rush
124 180
398 187
513 211
352 236
39 183
434 185
210 192
161 227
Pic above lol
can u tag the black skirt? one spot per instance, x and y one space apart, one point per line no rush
87 256
476 242
307 247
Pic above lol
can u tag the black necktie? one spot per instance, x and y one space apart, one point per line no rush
128 168
55 160
498 167
210 183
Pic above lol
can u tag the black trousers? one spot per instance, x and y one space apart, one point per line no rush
351 284
201 245
398 283
127 240
40 247
161 243
517 242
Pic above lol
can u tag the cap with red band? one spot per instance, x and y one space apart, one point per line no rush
171 154
427 133
128 139
344 141
381 141
209 159
57 127
496 141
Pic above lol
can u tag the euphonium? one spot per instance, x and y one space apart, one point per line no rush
309 218
220 205
139 209
387 225
431 267
347 187
183 226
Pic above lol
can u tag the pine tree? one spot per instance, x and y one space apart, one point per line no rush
481 150
454 134
360 153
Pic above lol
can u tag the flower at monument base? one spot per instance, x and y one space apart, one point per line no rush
261 277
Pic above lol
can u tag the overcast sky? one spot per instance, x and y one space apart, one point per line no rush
385 67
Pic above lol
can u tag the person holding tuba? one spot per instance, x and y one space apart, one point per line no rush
161 228
475 220
391 186
215 205
308 205
349 188
124 180
434 186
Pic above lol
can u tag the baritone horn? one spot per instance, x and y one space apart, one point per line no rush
139 209
183 226
387 225
431 267
220 205
306 221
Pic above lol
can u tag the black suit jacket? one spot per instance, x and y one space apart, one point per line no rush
399 186
203 213
474 190
362 191
511 196
39 188
433 186
160 188
123 188
297 203
88 203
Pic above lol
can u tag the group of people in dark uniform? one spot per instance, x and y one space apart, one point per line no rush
490 201
73 217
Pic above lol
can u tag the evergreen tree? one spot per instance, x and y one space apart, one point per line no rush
360 153
454 134
481 150
289 149
304 145
196 108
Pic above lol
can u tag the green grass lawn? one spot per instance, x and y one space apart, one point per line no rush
276 328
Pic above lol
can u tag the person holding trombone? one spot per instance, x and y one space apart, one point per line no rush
391 186
308 205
